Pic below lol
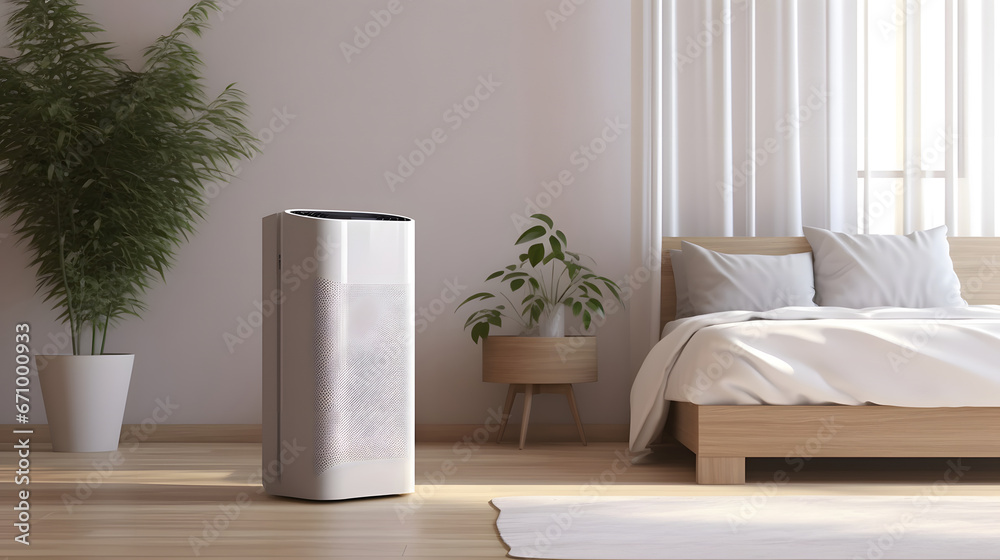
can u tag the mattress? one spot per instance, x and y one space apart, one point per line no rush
943 357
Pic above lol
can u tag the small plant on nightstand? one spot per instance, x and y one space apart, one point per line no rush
547 279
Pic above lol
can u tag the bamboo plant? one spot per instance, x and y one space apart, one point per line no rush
103 168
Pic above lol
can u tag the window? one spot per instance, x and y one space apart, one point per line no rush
926 115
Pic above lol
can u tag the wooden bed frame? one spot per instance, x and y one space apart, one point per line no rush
723 437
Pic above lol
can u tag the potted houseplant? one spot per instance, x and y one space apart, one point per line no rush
547 279
103 169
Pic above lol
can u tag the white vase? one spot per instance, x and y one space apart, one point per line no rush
84 400
552 324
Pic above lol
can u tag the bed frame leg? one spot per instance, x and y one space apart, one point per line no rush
720 470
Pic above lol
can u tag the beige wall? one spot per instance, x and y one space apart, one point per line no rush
345 123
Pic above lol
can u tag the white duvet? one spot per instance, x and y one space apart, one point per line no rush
820 355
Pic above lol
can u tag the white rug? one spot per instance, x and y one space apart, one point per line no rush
745 527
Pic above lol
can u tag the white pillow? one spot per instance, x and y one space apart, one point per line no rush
859 271
684 307
722 282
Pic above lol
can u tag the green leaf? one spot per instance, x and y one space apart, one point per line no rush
527 298
595 305
475 317
494 275
594 288
544 218
516 284
562 237
511 267
530 235
586 320
577 308
480 331
613 288
473 297
556 245
534 284
512 275
536 253
573 270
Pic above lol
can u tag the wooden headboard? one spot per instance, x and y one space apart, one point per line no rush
977 263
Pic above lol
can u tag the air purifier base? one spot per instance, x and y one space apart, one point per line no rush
348 481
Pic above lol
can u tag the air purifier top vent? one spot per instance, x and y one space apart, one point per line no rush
335 215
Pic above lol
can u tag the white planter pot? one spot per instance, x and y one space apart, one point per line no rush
552 324
85 400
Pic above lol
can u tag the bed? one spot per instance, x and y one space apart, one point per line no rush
723 435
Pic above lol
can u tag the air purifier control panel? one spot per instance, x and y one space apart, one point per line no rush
329 215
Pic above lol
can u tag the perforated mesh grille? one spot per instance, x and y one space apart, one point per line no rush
362 400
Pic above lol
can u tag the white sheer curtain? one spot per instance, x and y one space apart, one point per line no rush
759 116
647 169
927 115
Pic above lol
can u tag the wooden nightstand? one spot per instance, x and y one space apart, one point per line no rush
533 365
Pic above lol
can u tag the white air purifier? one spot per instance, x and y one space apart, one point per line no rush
338 354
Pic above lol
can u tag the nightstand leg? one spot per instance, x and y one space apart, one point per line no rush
576 415
507 405
529 390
